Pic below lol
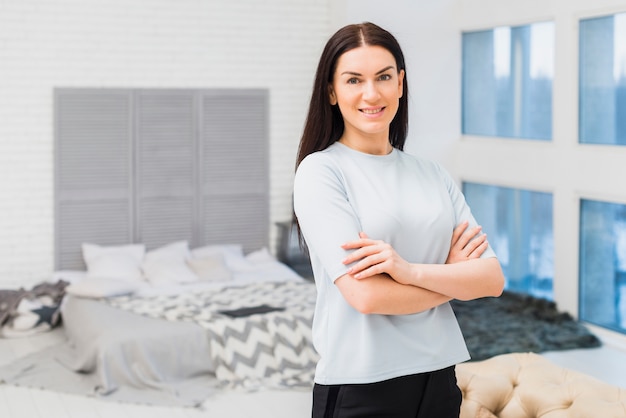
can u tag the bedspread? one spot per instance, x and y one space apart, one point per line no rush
270 349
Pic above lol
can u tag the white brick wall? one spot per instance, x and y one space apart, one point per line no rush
45 44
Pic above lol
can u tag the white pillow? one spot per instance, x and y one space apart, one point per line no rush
210 268
261 256
102 288
121 262
232 254
168 265
253 261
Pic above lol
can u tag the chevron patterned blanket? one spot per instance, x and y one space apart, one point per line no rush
270 349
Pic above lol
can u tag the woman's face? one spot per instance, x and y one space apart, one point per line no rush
367 87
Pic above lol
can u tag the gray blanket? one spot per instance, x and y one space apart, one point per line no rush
121 356
271 349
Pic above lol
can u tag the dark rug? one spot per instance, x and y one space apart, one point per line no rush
515 322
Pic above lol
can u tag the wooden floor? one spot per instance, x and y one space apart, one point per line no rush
606 363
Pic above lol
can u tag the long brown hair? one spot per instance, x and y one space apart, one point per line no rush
324 123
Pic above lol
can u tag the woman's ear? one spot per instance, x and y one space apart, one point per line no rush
332 98
400 83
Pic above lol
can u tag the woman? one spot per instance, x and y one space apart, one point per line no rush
379 225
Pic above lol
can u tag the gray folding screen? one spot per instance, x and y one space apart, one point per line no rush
160 165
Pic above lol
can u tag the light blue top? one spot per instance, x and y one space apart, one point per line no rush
412 204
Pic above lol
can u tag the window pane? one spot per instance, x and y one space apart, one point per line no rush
603 80
507 81
603 264
518 224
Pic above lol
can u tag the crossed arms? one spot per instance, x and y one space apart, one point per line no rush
382 282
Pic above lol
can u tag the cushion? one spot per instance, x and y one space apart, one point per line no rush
261 256
232 254
168 265
210 268
252 261
121 262
102 287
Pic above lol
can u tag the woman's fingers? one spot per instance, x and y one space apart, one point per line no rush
467 243
468 236
479 250
458 232
368 256
367 267
359 243
373 253
474 243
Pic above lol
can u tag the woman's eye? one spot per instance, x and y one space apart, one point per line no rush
385 77
353 81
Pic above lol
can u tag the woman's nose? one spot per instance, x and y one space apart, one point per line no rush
370 91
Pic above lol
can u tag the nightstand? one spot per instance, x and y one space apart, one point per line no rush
289 251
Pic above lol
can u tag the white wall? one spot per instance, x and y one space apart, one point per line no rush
138 43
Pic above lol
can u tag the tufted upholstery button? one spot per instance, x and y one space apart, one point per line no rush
526 385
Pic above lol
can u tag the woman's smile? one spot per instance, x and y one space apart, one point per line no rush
373 110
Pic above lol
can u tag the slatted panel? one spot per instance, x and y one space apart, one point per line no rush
92 171
166 166
237 219
94 132
235 142
91 221
166 220
235 179
157 166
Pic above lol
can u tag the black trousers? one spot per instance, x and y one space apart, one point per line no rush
424 395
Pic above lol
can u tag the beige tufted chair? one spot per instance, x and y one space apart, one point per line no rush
526 385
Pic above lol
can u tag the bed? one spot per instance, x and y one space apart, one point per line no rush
172 325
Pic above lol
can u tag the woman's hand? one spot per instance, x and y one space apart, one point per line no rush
375 257
378 257
466 243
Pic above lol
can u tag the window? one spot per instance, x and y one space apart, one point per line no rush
507 81
518 224
603 80
603 264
